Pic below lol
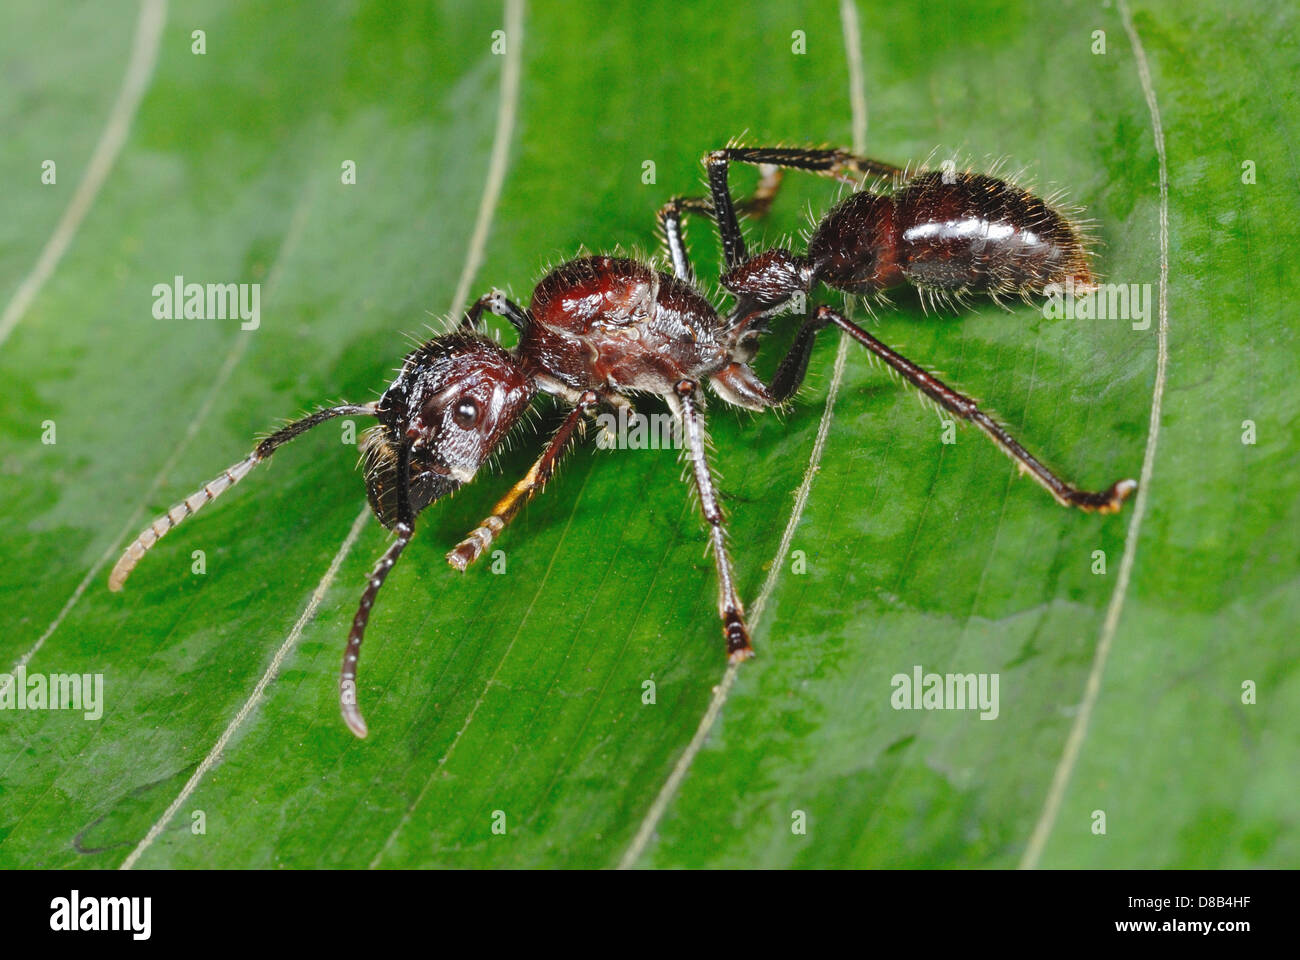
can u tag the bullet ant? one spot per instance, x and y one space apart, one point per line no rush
599 329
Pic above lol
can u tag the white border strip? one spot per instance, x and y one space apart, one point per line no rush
292 235
507 108
272 669
514 27
144 54
487 208
858 99
1074 742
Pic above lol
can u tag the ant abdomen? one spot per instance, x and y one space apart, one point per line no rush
949 234
855 248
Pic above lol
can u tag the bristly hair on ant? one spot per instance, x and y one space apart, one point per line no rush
602 330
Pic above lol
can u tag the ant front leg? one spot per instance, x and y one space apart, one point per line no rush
476 544
1106 501
497 303
730 608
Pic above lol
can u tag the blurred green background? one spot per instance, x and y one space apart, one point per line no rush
524 692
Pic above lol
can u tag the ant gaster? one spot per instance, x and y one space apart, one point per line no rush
601 328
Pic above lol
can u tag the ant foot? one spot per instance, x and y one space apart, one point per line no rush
1108 501
737 634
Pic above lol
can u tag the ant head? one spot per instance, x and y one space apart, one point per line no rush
453 402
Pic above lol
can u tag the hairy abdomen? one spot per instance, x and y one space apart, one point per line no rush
972 232
949 233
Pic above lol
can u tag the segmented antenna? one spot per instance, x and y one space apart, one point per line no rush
191 504
348 675
216 487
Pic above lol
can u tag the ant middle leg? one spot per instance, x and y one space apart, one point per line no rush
730 609
482 536
793 368
770 161
672 217
1105 501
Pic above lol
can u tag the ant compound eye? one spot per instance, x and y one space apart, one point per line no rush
465 415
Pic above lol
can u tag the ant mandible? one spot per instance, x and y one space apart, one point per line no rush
600 328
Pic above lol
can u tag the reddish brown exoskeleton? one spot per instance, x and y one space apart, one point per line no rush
600 329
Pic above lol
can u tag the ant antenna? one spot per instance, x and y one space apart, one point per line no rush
404 528
216 487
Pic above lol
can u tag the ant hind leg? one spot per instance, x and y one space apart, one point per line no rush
672 217
1109 500
836 164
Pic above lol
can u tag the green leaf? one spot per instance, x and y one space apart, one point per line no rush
523 692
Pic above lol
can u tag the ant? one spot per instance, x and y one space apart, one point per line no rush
601 328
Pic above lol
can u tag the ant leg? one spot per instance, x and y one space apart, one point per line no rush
734 251
219 485
827 163
1106 501
671 218
404 529
497 303
769 182
729 606
477 543
793 368
770 160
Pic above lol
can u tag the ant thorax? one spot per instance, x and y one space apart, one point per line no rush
615 324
